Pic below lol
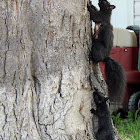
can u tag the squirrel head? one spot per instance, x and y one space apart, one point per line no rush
105 5
99 99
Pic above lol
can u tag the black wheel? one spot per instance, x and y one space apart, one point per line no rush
134 102
136 29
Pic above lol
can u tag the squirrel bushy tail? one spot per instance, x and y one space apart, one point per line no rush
115 79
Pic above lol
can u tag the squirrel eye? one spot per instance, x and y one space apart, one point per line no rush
100 101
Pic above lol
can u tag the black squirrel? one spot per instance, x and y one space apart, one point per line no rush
102 42
105 128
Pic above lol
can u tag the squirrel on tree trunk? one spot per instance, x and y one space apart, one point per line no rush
102 42
105 130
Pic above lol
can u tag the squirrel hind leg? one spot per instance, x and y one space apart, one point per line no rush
98 52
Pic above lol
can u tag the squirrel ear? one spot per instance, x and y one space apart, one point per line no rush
112 7
106 98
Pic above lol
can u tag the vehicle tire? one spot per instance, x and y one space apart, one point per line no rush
136 29
134 102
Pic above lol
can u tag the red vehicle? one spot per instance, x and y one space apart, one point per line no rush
125 50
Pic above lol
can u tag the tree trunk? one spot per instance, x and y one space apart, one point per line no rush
46 76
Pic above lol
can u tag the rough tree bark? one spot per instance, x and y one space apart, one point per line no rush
46 77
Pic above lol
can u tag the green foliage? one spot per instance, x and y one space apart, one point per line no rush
129 128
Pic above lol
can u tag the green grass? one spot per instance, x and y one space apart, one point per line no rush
128 129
